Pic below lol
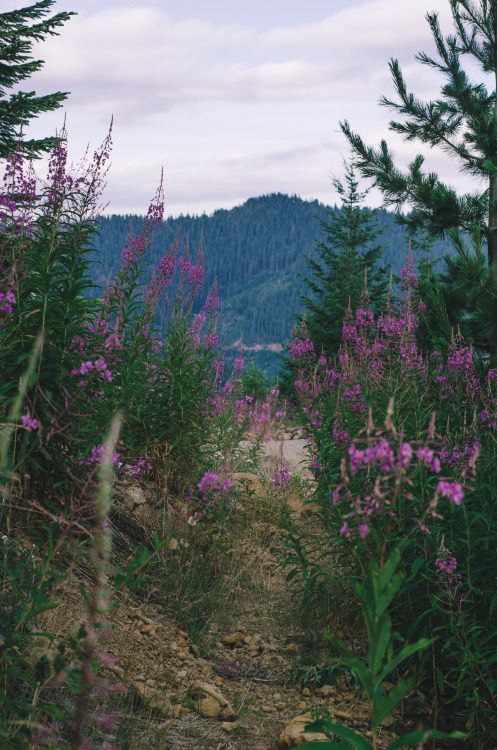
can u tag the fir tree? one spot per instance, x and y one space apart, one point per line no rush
463 123
345 252
16 40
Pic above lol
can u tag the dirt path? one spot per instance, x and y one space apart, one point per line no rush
263 664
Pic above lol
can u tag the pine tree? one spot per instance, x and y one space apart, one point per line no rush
16 40
462 122
345 251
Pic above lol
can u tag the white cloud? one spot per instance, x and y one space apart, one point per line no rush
230 109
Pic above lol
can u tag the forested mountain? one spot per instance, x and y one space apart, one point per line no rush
256 252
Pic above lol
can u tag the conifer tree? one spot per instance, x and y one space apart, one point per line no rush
346 250
462 122
16 40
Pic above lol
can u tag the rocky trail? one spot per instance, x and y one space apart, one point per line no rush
248 680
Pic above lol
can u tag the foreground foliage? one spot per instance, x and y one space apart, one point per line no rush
403 450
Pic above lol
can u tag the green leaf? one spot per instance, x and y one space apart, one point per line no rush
379 643
59 712
413 738
388 702
35 611
406 652
326 726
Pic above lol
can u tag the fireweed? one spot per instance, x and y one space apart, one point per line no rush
405 485
139 349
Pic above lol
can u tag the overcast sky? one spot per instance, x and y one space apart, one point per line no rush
234 98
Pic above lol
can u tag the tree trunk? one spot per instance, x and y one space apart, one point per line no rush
492 240
492 225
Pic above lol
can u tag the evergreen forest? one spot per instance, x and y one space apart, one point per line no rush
256 254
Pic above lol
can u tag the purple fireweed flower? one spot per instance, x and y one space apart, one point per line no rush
7 302
99 364
404 456
210 488
281 480
238 366
86 367
142 465
448 579
28 422
344 531
382 453
409 279
354 396
356 458
97 454
364 317
212 303
301 347
452 491
425 455
211 341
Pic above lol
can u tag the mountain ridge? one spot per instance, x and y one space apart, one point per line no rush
256 252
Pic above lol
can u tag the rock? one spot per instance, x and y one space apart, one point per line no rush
206 690
133 496
228 726
209 708
233 639
154 699
280 705
306 692
326 691
179 711
249 484
302 706
292 649
227 714
293 734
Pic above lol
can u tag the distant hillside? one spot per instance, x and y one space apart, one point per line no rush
256 252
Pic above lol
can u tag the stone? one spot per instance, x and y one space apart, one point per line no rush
249 484
133 496
227 714
209 708
206 690
228 726
233 640
302 706
326 691
306 692
154 699
291 650
293 734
